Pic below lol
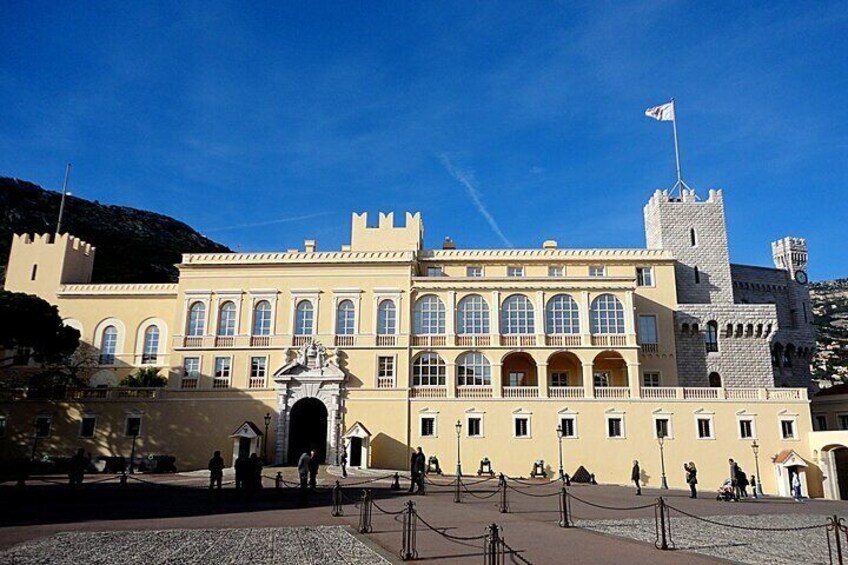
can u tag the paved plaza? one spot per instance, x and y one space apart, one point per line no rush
169 519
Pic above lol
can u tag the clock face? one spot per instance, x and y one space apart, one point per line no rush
801 277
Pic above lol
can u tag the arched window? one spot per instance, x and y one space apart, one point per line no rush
386 318
715 380
428 369
108 345
303 318
150 350
197 319
262 318
776 355
711 337
345 318
517 316
472 315
473 368
429 316
227 319
607 315
562 315
787 355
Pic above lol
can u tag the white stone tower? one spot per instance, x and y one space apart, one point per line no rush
790 254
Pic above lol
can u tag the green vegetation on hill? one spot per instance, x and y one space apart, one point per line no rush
830 313
132 245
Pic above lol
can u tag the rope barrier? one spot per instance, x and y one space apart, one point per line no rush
514 553
529 484
604 507
531 494
480 497
449 536
750 528
384 511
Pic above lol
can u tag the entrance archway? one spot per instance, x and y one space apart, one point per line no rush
308 429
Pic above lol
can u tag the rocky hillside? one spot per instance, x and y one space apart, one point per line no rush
132 245
830 311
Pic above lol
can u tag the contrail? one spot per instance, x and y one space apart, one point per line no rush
270 222
466 179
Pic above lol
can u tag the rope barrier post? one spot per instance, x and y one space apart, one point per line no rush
396 482
409 551
493 549
278 480
662 521
503 507
123 479
835 525
567 480
337 500
365 512
457 492
564 521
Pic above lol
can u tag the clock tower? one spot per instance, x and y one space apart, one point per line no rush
790 254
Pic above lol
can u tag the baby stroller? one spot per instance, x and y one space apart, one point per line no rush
726 492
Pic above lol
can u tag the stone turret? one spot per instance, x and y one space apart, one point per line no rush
386 236
40 264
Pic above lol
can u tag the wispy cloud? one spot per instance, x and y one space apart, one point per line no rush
466 179
269 222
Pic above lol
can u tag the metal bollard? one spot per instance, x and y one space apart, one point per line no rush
278 480
493 548
396 482
365 512
564 521
503 505
457 493
409 551
123 480
837 526
662 521
337 500
567 480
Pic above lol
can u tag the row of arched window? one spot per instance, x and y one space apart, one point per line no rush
472 369
109 345
517 316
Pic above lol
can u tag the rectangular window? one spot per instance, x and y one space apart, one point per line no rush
522 427
602 379
661 427
435 272
820 423
615 427
787 429
559 378
644 276
597 271
191 372
385 372
647 329
428 427
515 271
475 427
705 428
87 426
746 429
223 371
651 379
42 426
133 426
516 379
556 271
258 372
843 421
474 272
569 427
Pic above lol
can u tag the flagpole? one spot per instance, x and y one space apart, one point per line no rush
62 203
676 146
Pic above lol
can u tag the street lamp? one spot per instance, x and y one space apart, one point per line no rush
661 441
265 438
458 434
559 436
758 491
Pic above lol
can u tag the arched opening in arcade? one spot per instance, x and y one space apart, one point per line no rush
835 459
609 369
519 369
564 369
308 429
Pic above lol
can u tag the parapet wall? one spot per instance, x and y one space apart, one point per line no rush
386 236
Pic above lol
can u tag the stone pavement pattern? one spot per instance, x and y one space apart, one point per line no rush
261 546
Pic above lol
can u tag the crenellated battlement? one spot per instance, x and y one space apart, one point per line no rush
68 240
40 263
386 236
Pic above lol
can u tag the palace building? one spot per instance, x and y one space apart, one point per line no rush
385 345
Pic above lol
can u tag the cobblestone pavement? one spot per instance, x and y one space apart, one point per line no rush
291 546
739 545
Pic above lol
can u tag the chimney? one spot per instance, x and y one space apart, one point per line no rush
549 244
309 245
448 243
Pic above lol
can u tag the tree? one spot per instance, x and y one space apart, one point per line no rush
33 325
146 377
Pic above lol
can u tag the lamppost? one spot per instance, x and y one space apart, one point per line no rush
458 434
265 438
559 436
759 488
339 440
661 441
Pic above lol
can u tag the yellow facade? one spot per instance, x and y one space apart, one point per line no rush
595 371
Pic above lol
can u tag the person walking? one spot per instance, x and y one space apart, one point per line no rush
343 462
691 478
78 465
313 470
753 482
254 476
796 487
416 471
742 480
635 476
303 471
216 471
241 466
734 474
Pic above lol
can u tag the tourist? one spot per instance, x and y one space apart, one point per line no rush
416 471
796 487
635 476
303 470
76 470
691 478
313 469
254 475
242 472
343 462
742 482
734 473
753 482
216 471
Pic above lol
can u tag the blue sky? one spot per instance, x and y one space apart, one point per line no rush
503 123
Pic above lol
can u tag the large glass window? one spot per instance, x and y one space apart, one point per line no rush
711 337
386 318
150 350
223 372
472 315
607 315
108 345
429 315
648 329
262 318
197 319
517 315
303 318
562 316
227 319
473 369
644 276
428 369
345 318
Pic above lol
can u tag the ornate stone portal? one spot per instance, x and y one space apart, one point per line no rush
313 374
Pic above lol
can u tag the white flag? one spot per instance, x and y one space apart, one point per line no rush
664 113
